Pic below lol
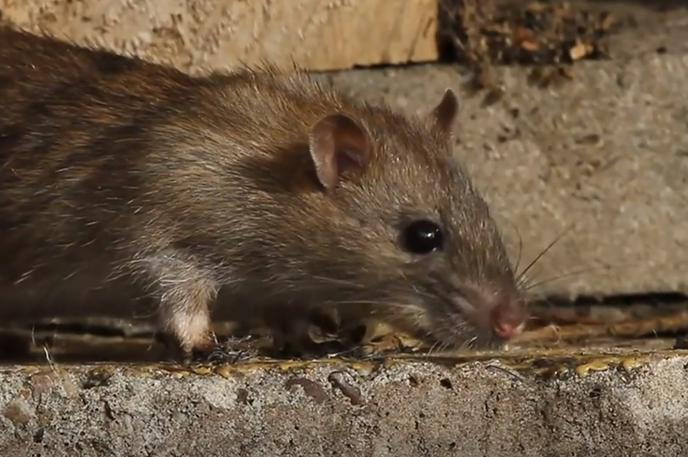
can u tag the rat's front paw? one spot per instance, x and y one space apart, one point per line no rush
186 352
209 349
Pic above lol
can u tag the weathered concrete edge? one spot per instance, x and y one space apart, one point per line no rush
334 408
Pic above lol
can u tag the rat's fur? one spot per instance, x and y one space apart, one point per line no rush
115 172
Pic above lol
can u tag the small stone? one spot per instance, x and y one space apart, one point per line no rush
681 342
18 412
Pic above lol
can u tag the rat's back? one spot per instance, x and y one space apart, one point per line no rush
73 125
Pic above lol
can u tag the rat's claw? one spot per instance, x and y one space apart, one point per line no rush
232 350
221 355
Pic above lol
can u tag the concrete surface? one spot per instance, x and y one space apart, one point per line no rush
489 408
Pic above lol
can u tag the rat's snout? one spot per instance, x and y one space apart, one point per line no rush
501 314
508 318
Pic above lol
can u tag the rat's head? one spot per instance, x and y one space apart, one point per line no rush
402 229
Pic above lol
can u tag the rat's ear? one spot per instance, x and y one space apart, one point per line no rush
445 112
338 144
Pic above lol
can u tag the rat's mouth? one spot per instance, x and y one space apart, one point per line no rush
480 322
447 318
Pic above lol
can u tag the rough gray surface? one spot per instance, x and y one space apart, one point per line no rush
327 409
606 153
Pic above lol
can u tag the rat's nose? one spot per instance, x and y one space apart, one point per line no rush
508 319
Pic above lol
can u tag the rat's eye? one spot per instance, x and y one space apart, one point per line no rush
422 237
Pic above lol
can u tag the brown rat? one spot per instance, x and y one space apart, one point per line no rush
124 182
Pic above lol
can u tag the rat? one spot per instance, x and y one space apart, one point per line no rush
126 183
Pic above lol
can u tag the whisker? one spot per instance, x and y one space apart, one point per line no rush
558 277
470 343
433 347
527 287
374 303
345 282
520 249
543 252
520 244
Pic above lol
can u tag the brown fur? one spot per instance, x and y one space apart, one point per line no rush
115 172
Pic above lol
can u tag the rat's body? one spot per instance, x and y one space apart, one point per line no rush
124 182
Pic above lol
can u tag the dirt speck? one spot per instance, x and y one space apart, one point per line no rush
242 397
311 388
339 380
98 377
18 411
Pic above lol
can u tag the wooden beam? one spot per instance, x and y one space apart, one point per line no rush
198 35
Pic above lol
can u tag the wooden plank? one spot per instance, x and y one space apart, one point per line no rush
198 35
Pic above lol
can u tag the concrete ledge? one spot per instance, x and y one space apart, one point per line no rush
619 405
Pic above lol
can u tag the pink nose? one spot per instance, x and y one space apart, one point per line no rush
507 320
506 330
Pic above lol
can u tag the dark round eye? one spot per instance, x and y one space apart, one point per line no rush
422 237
